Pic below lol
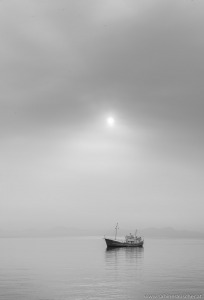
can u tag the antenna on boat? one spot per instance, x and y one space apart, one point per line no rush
116 230
135 232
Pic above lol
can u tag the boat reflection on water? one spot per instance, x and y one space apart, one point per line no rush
137 250
132 253
125 271
130 257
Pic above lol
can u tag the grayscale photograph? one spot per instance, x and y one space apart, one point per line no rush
101 149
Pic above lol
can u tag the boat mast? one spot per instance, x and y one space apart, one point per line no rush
116 230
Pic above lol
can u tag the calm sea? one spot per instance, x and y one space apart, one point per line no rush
82 268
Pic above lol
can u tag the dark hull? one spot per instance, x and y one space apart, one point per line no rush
113 244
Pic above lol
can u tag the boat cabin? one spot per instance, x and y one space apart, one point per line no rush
132 239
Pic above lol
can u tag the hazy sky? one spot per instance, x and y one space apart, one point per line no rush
68 65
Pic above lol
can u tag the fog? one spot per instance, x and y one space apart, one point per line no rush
66 66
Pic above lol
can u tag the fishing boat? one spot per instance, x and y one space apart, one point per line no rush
129 241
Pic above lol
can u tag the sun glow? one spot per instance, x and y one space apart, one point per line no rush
110 121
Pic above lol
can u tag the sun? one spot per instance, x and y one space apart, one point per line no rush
110 121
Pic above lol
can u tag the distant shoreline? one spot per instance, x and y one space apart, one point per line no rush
166 233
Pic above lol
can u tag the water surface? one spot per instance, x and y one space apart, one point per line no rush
82 268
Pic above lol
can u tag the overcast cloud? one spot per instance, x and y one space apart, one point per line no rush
65 67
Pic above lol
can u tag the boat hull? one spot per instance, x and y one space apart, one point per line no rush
114 244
